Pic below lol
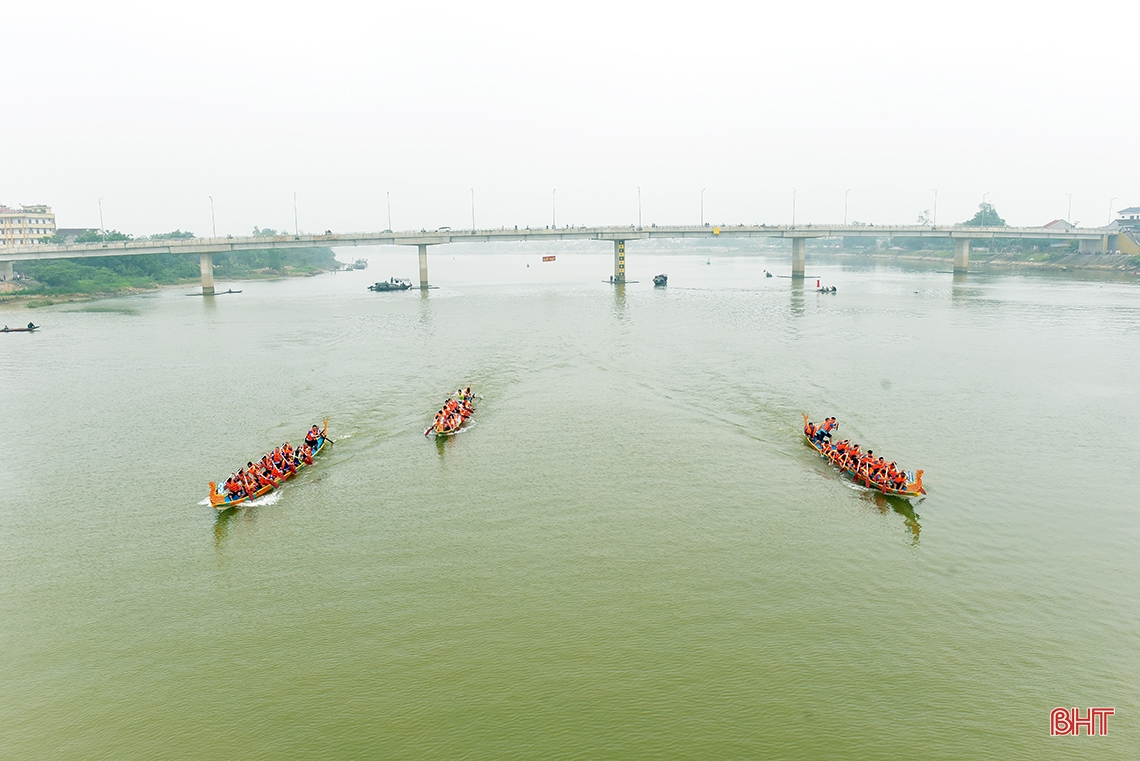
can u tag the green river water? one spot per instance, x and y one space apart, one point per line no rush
631 554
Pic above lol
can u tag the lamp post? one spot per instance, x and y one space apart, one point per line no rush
554 208
296 227
984 215
702 207
1111 201
388 193
213 224
847 193
1069 215
472 209
935 220
638 207
793 207
102 230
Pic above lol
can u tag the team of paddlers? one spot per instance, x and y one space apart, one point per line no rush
850 457
455 411
273 467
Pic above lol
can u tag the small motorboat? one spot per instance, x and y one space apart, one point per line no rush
394 284
31 327
660 279
767 273
360 264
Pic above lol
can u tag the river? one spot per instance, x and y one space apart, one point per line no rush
630 554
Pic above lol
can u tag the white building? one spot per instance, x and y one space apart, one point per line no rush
26 225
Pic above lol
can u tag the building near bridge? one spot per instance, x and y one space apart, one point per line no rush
26 225
1128 218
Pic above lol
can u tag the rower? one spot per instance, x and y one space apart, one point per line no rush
312 437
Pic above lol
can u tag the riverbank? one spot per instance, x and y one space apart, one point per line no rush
58 281
1035 260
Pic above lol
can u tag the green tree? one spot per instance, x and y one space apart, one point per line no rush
175 235
95 236
987 216
266 231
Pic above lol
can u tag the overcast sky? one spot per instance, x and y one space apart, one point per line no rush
155 107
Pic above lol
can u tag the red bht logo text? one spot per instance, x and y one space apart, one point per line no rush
1068 721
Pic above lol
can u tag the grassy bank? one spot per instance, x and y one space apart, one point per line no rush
111 275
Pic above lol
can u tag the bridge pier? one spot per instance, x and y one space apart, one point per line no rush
423 267
619 261
1098 246
961 255
206 266
9 272
798 257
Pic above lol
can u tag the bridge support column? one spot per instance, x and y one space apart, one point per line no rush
798 257
961 255
619 261
206 265
423 267
8 273
1097 246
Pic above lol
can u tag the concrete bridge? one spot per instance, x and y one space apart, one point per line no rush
1091 239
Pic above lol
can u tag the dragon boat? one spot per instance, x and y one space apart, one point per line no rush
913 478
222 501
441 429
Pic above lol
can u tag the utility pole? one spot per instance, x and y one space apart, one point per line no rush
213 224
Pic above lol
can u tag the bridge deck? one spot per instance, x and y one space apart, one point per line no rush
439 237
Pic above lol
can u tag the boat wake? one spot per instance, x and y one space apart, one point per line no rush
272 498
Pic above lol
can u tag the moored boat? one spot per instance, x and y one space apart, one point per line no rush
31 327
221 500
911 489
360 264
394 284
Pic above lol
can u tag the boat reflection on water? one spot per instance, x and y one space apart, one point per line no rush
884 503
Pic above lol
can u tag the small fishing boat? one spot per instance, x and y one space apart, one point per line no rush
913 487
395 284
360 264
455 422
222 501
660 279
31 327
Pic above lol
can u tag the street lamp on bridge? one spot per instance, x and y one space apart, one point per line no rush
845 206
554 208
793 207
213 224
1111 201
102 230
702 207
934 220
638 207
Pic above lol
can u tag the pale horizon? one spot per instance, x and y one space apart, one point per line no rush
154 110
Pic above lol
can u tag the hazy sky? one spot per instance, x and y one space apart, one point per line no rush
154 107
